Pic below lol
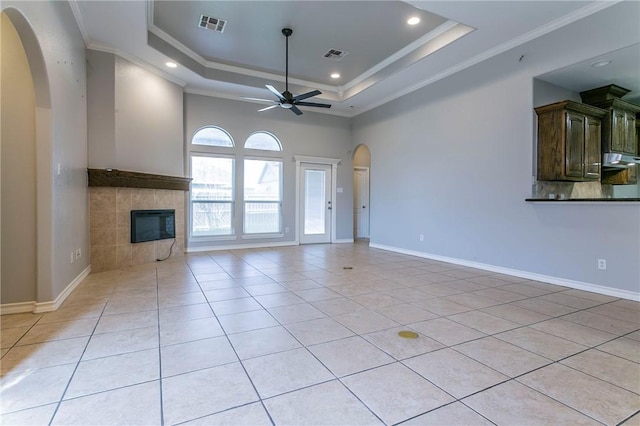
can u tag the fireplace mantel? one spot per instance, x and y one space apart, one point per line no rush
126 179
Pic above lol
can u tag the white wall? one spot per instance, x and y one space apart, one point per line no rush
135 118
310 134
453 161
18 135
61 134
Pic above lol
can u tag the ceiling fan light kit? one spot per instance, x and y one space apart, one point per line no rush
286 100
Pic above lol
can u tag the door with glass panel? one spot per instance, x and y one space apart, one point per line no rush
316 203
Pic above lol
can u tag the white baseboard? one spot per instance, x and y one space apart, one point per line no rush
595 288
17 308
239 246
344 241
40 307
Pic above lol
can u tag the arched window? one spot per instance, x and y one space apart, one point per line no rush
212 136
264 141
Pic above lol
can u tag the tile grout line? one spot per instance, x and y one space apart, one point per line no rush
255 389
75 369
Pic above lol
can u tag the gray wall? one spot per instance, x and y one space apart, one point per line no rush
18 134
310 134
61 139
135 118
453 161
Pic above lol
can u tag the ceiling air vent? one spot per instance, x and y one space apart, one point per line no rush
335 54
211 23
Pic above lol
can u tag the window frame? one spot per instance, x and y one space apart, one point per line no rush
211 126
232 234
280 202
244 146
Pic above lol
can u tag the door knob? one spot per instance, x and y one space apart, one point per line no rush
329 207
364 207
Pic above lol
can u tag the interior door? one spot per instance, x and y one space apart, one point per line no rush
361 202
316 205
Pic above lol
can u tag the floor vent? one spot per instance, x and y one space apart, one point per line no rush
211 23
335 54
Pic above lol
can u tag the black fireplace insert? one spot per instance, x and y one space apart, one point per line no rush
151 225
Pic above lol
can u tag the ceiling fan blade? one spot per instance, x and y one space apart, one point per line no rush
307 95
258 99
269 107
275 92
313 104
295 110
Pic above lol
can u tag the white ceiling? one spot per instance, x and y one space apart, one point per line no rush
386 59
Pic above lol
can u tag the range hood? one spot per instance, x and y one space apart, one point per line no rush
619 161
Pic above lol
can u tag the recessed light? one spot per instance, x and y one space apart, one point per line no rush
335 75
599 64
414 20
171 64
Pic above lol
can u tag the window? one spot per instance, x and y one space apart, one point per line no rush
264 141
262 196
212 136
212 195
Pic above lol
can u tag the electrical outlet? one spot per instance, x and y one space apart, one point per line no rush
421 237
286 230
78 254
72 257
602 264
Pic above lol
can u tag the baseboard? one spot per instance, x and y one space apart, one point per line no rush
239 246
17 308
595 288
40 307
344 241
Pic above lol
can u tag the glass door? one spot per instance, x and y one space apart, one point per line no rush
315 214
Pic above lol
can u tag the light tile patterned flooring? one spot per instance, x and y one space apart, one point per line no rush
288 337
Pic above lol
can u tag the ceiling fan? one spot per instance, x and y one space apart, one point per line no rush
286 99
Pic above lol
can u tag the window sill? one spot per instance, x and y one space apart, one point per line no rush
261 236
213 238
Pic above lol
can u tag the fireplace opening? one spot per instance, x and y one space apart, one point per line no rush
152 225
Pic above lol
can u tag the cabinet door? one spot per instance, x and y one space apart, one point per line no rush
618 130
630 142
574 145
592 155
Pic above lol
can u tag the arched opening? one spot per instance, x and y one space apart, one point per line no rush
361 192
26 169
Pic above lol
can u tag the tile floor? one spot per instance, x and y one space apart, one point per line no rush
288 337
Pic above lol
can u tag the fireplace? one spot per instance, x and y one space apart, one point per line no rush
152 225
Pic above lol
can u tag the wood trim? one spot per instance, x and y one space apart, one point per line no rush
125 179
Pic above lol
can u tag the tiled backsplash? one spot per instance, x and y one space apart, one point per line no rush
110 211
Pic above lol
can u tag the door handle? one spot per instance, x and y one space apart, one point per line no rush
364 207
329 208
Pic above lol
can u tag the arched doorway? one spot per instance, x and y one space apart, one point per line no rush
26 165
361 193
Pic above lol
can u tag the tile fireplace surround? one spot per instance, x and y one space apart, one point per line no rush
110 218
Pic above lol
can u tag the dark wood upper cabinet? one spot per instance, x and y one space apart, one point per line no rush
569 136
619 125
619 130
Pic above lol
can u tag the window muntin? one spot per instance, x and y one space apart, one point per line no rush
212 136
212 195
264 141
262 196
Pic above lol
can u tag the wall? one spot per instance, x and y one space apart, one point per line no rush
310 134
54 42
18 135
453 161
135 118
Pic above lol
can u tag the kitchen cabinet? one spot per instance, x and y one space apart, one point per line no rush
569 146
619 130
